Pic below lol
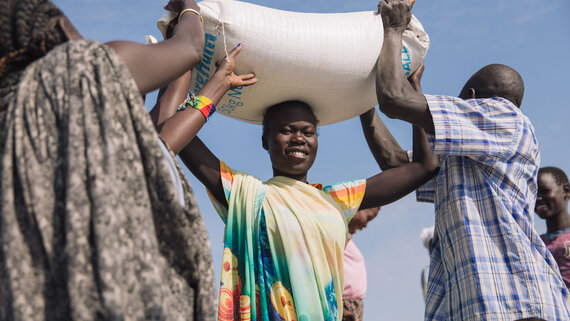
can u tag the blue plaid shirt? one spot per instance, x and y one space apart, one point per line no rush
487 261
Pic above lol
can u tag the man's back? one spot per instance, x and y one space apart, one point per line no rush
487 260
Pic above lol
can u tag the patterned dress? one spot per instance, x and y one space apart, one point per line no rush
558 243
487 261
91 227
284 245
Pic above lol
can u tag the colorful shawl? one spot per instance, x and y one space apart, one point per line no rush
283 247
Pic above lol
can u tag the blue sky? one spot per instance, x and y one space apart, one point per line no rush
531 36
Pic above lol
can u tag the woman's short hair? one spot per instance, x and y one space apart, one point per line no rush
272 110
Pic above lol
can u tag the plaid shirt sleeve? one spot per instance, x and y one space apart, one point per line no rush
481 129
426 192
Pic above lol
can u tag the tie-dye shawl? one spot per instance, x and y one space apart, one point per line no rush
283 247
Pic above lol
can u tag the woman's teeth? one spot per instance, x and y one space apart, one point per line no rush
296 154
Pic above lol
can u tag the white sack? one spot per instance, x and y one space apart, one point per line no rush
325 60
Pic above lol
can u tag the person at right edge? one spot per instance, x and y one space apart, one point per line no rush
552 206
487 261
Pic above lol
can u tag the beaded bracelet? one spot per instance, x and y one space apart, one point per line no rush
202 103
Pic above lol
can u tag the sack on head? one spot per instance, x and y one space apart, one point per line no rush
325 60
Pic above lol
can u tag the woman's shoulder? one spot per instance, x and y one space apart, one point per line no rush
77 49
228 175
75 56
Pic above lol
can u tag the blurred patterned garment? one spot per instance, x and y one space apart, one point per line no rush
487 261
355 308
91 226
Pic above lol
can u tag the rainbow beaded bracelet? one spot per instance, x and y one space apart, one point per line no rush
202 103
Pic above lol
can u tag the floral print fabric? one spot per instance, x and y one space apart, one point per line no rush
91 227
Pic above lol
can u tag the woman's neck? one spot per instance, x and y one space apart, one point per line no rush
300 177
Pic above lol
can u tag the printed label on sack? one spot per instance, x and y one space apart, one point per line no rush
406 61
205 67
233 101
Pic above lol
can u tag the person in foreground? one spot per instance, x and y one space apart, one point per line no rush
285 238
355 281
487 261
552 206
97 221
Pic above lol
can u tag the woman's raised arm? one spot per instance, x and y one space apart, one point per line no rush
179 131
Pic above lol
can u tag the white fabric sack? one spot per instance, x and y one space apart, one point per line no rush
325 60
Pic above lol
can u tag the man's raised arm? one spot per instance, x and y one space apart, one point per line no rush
396 97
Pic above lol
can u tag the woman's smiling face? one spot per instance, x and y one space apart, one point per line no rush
292 141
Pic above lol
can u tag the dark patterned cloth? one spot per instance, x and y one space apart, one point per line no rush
90 224
352 309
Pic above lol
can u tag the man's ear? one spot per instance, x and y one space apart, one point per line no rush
472 93
566 188
264 142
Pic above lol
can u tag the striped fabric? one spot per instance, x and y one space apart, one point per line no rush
348 195
487 261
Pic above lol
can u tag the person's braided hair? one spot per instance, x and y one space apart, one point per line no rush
26 35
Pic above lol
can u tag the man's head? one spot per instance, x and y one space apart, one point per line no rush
553 193
361 219
495 80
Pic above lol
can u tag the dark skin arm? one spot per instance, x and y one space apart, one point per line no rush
395 183
382 144
169 98
396 97
179 130
205 166
154 66
172 96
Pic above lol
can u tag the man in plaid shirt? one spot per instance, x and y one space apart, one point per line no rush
487 261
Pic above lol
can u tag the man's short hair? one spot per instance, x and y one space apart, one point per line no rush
558 174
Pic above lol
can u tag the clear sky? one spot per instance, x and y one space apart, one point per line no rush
531 36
